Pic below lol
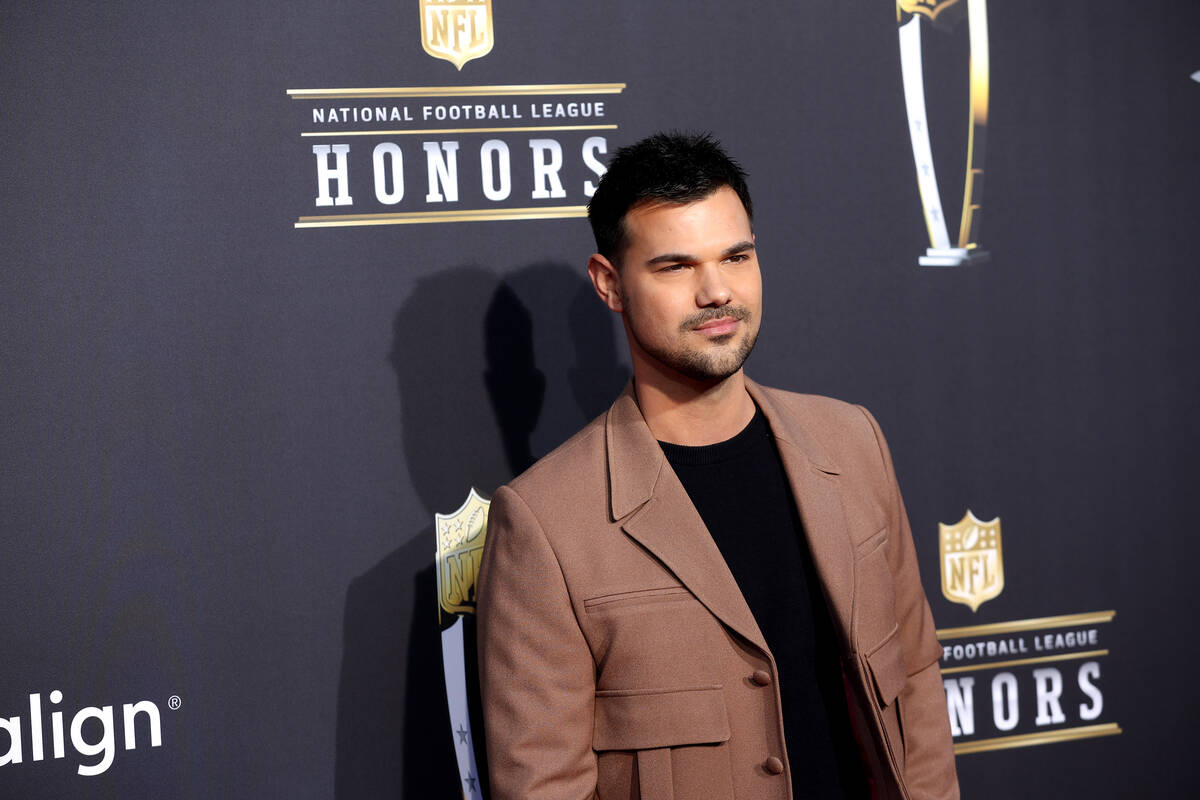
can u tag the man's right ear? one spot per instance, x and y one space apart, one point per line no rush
606 282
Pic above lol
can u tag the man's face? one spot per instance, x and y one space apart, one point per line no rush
689 287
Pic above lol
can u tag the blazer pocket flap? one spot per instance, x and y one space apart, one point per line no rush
638 597
887 670
638 719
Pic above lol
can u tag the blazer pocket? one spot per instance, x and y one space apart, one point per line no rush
663 744
641 719
638 597
889 677
875 594
888 673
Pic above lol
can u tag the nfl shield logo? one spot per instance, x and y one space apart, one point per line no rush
460 550
972 562
456 30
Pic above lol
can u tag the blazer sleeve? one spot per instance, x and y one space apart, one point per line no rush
536 671
929 770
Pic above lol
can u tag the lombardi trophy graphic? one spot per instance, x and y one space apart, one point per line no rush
945 15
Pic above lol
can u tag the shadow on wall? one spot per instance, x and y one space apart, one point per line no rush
480 365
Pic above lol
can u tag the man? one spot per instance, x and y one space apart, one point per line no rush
712 562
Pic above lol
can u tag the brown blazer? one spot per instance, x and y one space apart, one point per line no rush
619 659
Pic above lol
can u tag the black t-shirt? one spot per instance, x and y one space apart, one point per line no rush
741 491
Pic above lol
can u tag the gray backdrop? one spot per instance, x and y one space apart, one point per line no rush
224 437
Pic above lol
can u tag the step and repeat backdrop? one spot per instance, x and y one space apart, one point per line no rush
288 289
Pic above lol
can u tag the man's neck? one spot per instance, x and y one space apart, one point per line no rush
694 413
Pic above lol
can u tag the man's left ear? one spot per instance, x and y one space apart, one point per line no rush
606 282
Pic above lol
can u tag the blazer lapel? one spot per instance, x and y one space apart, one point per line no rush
654 508
814 479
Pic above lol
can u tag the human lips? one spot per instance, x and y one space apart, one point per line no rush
716 322
718 327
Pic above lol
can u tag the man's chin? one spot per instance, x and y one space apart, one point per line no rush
710 368
711 362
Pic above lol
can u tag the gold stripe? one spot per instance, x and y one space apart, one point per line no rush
1038 623
432 131
466 215
1030 739
979 78
1016 662
457 91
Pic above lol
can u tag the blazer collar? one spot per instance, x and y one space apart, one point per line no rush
636 462
813 476
653 507
791 429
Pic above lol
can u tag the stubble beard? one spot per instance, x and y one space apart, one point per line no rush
713 362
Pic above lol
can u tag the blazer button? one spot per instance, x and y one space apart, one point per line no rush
773 765
761 677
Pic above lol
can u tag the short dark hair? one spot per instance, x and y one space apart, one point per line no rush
671 167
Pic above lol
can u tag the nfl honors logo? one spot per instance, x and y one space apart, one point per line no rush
972 562
457 30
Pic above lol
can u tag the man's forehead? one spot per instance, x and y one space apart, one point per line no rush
719 213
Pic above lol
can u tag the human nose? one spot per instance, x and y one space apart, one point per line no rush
712 290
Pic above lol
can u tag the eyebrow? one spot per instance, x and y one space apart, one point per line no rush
734 249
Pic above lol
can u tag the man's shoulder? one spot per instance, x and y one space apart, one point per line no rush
819 413
832 432
577 461
811 403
